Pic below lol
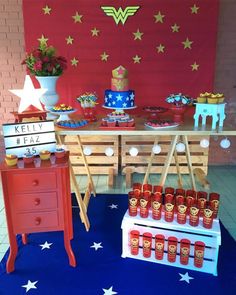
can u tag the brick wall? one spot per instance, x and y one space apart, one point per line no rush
12 73
11 54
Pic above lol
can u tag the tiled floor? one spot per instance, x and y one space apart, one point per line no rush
221 178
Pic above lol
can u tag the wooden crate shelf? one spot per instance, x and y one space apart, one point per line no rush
138 164
98 162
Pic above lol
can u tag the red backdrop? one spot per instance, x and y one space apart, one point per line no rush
158 74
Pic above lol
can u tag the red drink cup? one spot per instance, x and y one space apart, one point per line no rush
201 201
134 242
169 212
194 215
147 244
179 200
159 246
190 199
157 189
191 193
133 204
214 203
199 248
156 201
147 188
184 251
169 190
207 218
172 249
180 192
144 205
181 214
137 188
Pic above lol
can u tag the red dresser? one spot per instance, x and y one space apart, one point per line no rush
37 199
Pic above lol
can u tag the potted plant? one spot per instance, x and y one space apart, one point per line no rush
88 103
178 103
44 63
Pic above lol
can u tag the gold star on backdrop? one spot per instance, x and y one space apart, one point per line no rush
160 48
175 28
159 17
137 35
69 40
77 17
195 66
95 32
43 40
46 9
136 59
187 44
194 9
74 62
104 56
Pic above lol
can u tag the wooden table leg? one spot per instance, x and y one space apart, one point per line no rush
180 181
145 180
168 160
188 156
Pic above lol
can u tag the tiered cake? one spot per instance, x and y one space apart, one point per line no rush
120 98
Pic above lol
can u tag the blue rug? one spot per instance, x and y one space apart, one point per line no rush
100 269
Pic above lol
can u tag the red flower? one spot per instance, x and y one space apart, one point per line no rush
38 66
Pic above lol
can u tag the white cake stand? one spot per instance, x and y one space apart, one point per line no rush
63 116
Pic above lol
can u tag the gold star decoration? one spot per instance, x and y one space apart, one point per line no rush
194 9
47 9
104 56
187 43
77 17
159 17
74 62
43 40
195 66
160 48
175 28
136 59
95 32
137 35
69 40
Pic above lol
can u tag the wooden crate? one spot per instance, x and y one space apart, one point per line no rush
98 162
129 164
211 238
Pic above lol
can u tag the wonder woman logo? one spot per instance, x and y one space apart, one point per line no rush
120 15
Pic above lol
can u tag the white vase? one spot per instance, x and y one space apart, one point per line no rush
50 98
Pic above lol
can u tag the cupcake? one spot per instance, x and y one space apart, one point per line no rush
28 158
220 97
213 99
11 160
59 152
45 155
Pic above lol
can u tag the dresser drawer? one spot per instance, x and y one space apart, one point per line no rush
36 221
32 181
35 202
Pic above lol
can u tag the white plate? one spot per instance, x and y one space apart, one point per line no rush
162 127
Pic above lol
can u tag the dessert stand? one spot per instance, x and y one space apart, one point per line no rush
63 115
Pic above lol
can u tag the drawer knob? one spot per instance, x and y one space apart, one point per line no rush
37 221
35 182
36 201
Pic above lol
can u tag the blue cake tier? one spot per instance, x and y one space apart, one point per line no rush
119 99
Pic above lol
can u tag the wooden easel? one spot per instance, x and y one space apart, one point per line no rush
82 202
172 152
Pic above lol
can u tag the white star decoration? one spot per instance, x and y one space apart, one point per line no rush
30 285
185 277
124 105
127 98
113 102
119 97
46 245
106 99
109 291
132 96
29 95
96 245
113 206
110 95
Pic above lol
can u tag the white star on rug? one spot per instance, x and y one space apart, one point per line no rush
109 291
113 206
29 95
30 285
46 245
185 277
96 245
